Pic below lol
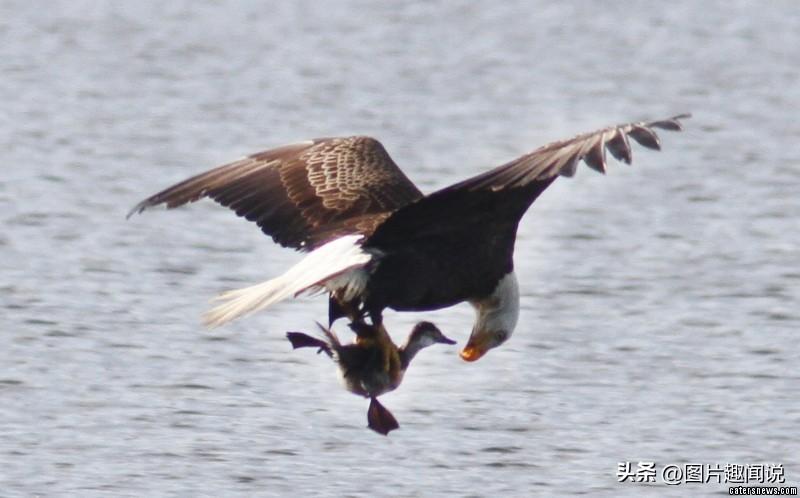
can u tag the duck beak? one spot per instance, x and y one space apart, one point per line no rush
445 340
476 347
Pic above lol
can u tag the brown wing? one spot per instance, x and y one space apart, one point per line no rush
562 157
503 194
305 194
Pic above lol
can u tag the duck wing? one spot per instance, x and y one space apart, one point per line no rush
304 194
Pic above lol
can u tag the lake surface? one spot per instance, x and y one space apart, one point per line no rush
659 302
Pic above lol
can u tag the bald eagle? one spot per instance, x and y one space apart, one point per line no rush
374 241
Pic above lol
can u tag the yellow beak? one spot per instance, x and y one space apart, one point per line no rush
476 347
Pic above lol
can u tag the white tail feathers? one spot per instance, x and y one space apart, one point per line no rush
329 261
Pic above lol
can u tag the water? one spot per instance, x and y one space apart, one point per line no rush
659 314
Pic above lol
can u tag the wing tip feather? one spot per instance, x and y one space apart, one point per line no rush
136 210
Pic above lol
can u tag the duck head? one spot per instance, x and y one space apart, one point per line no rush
423 334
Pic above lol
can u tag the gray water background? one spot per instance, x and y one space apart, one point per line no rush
659 303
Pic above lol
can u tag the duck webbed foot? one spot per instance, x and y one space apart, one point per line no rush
339 309
301 340
379 419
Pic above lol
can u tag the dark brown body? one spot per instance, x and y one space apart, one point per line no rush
426 268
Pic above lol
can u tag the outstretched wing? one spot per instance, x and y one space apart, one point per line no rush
512 187
562 157
305 194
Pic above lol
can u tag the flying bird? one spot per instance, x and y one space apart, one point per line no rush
373 365
374 241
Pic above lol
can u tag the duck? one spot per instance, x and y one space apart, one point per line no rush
373 365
